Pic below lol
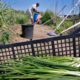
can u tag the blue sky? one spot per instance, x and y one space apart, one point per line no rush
54 5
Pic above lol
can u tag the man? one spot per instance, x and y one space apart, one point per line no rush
34 13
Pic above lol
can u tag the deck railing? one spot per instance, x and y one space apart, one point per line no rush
68 45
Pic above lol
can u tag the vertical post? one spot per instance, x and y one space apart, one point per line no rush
32 47
53 48
79 49
14 55
30 39
74 47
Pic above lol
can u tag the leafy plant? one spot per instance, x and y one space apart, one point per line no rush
21 18
5 38
9 17
6 20
47 17
46 68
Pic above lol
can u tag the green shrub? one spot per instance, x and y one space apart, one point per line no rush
67 24
9 17
6 20
46 17
5 38
21 18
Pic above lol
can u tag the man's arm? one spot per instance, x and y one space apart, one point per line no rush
35 10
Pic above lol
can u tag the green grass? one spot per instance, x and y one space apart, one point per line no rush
38 68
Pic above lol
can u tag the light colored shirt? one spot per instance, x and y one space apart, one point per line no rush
31 10
34 6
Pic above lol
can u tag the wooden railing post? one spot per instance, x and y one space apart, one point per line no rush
32 47
14 55
74 47
53 48
79 49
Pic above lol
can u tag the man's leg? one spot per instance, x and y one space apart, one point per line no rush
39 19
